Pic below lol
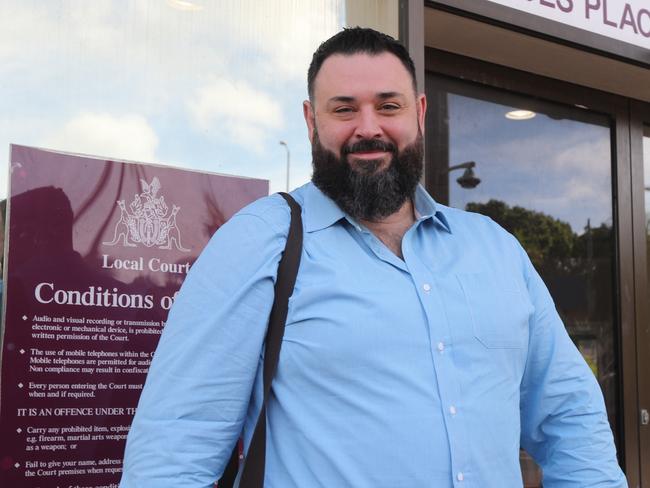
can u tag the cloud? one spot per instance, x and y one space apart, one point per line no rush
28 31
237 110
578 180
154 35
146 57
288 32
561 168
127 136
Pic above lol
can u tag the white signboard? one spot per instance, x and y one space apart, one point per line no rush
624 20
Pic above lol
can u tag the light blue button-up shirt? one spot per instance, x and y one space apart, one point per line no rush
430 371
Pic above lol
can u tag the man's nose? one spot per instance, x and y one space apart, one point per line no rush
368 125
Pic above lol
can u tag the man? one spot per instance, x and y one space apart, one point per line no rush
421 347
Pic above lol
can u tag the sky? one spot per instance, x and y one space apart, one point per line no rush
214 87
553 163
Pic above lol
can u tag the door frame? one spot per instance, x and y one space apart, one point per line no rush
630 289
640 117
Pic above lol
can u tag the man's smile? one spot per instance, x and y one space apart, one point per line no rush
369 154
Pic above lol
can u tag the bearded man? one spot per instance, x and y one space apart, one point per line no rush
421 348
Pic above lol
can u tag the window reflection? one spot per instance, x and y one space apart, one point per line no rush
543 172
201 84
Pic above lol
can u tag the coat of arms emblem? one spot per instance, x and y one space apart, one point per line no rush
149 221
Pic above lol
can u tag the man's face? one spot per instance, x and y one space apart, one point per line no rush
365 124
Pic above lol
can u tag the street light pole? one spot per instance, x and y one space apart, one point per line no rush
468 180
286 146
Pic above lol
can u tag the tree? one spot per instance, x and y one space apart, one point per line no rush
548 241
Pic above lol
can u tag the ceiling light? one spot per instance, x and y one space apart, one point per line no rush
520 115
185 5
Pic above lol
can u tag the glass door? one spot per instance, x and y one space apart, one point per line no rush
543 171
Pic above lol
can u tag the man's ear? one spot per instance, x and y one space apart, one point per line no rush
421 109
308 112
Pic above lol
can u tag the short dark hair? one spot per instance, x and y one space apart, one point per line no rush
356 40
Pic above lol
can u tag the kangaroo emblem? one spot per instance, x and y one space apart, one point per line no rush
121 228
149 222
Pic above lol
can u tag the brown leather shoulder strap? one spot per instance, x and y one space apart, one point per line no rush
253 473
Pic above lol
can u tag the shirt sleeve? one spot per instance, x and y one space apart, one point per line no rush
563 418
198 388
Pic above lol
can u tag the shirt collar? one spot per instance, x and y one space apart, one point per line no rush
427 208
320 211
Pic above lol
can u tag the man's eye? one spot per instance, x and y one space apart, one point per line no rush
389 106
342 110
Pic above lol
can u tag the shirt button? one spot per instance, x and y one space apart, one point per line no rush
452 410
460 476
441 346
426 287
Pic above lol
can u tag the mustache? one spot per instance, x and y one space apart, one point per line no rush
365 145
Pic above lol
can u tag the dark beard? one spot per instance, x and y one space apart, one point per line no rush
367 193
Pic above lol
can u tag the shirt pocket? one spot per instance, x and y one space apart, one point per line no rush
499 309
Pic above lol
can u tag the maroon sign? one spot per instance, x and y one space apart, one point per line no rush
97 250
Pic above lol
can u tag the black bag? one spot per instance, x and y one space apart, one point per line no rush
253 472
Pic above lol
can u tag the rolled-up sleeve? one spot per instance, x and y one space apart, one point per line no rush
197 392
